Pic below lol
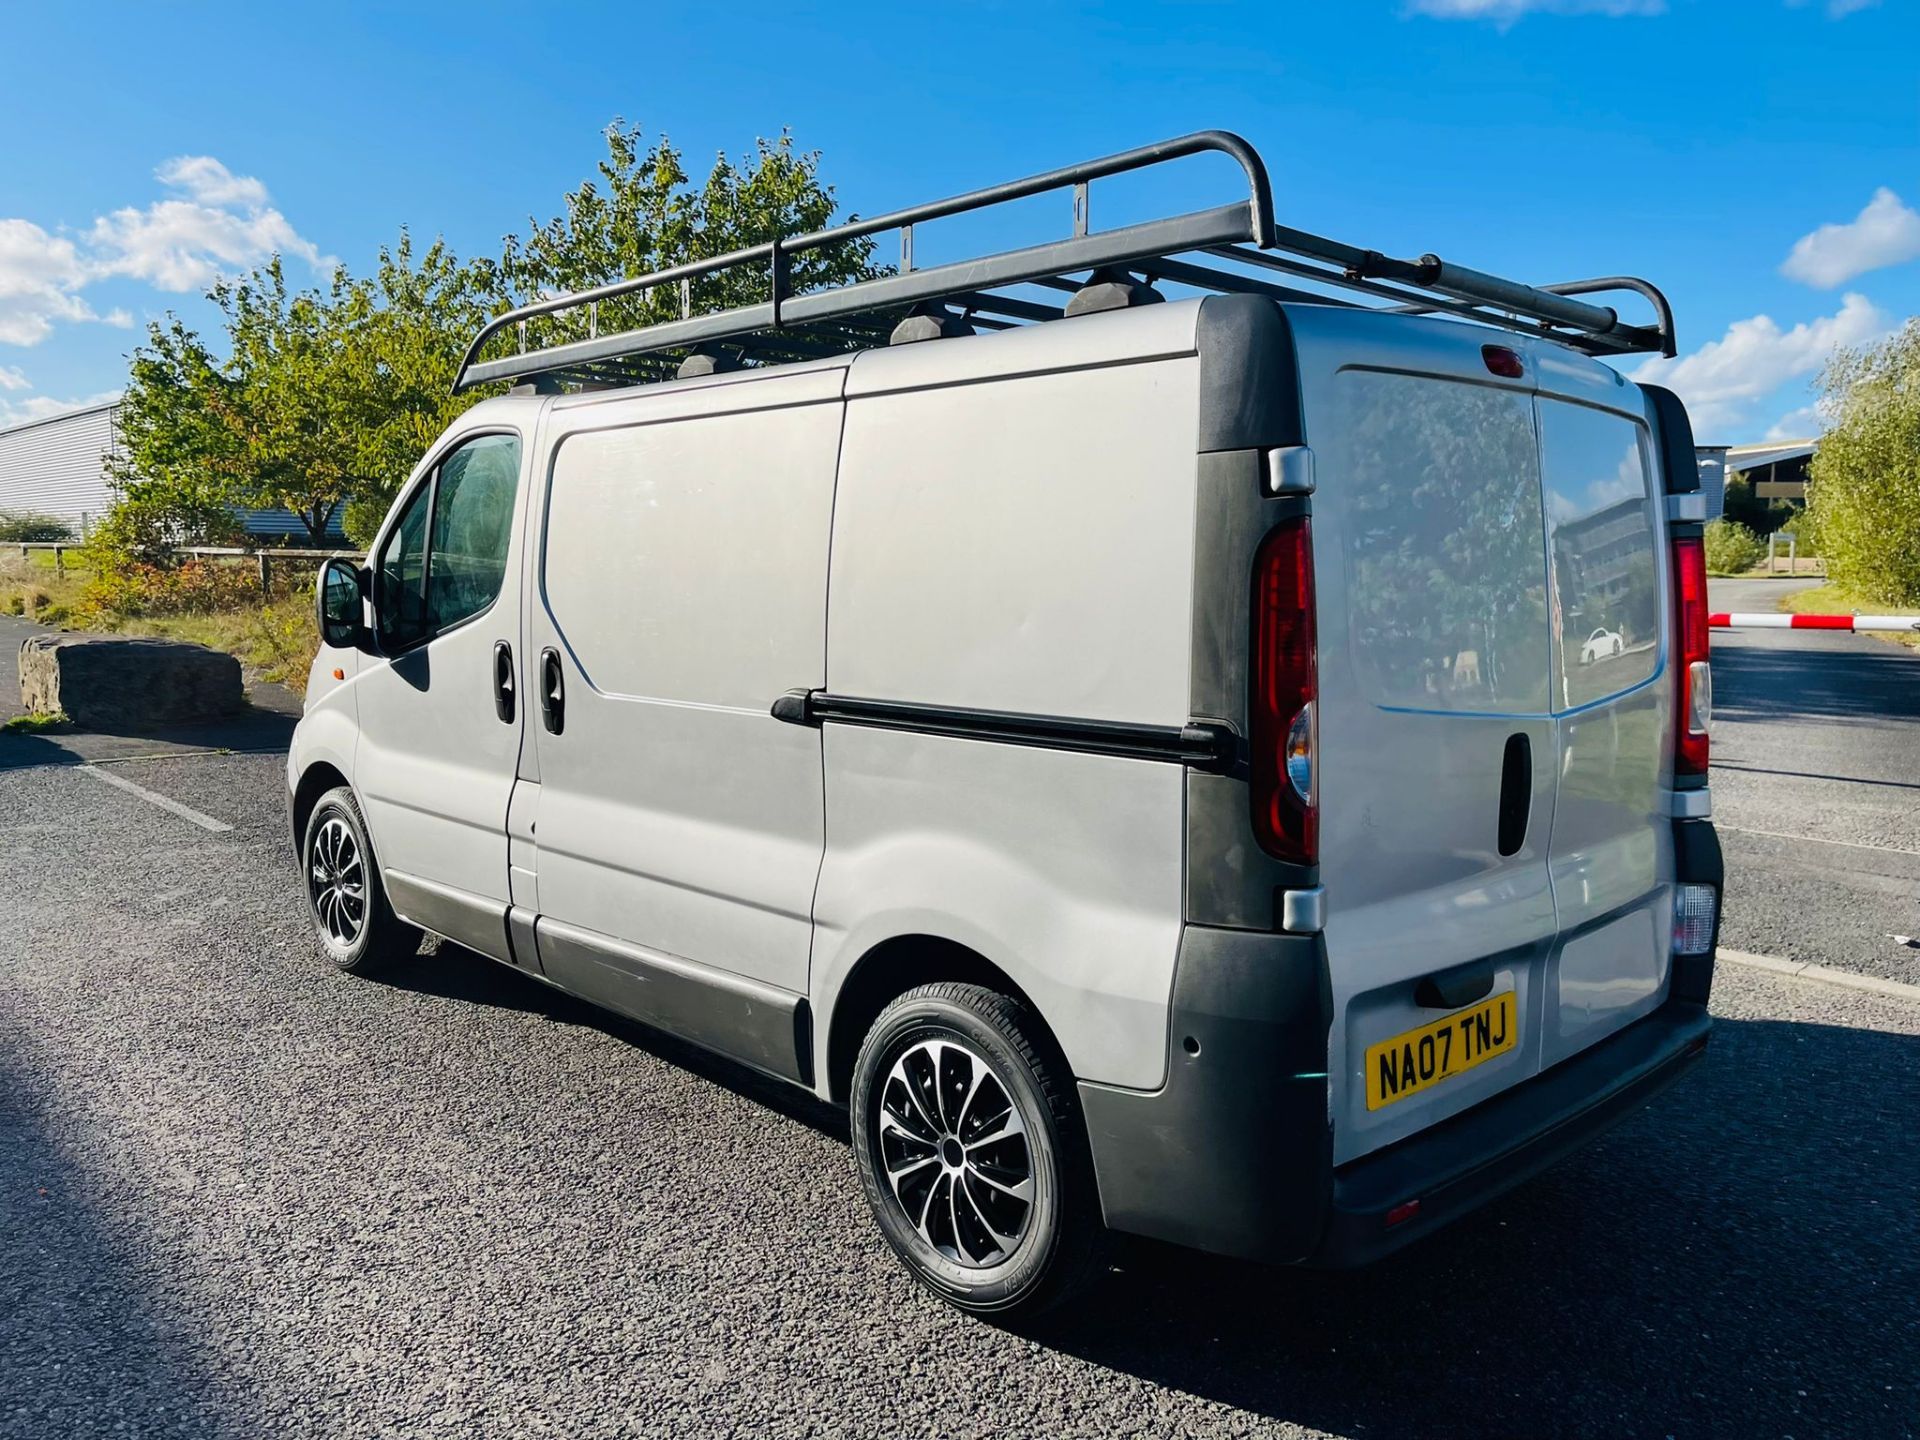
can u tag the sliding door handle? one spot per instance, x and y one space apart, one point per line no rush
553 691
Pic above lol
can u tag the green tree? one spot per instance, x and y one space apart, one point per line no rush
643 214
324 399
1864 486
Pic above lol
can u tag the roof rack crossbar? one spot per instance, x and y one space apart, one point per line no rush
860 313
1620 339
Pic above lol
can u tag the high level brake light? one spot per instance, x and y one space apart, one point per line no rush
1695 709
1284 733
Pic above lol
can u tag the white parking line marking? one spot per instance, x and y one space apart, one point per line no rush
185 812
1816 840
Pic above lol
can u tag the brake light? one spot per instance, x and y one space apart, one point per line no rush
1284 732
1695 709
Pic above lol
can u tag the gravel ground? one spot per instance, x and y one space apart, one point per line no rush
1816 790
246 1196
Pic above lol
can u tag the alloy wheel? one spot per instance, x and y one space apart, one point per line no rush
955 1150
337 882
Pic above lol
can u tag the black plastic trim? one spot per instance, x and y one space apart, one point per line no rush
1697 861
758 1025
1234 1153
1460 1164
1205 746
1249 380
1679 467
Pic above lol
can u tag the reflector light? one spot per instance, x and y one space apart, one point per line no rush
1285 802
1504 362
1694 907
1403 1212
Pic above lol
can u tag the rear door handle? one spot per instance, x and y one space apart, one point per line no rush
1516 793
503 680
553 691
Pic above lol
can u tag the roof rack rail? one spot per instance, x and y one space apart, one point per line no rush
786 325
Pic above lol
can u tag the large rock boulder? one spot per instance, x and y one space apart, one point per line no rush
105 682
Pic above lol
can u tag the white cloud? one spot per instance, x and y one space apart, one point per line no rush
1506 12
39 274
45 407
1801 424
211 183
1886 233
1836 9
1724 379
223 224
13 379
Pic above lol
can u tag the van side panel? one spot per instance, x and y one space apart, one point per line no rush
683 589
1019 545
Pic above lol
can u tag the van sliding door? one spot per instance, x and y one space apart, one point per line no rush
681 590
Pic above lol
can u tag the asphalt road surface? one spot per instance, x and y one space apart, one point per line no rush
242 1195
1816 789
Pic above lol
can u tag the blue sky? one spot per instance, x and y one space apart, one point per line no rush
1759 159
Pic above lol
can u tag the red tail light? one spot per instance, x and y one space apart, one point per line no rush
1695 699
1285 735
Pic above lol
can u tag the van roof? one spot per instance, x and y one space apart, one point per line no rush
1232 248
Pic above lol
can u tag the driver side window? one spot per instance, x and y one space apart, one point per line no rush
446 556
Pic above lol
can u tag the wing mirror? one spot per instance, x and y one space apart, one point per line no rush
339 604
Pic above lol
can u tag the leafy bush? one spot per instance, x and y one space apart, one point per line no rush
195 587
1733 549
18 527
1864 495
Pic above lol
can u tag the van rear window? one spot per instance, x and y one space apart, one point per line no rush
1446 550
1605 577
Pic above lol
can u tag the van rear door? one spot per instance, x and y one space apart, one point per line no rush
1437 740
1611 851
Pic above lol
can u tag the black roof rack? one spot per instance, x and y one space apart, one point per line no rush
1185 249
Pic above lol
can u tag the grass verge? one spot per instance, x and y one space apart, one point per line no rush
1836 600
274 640
37 723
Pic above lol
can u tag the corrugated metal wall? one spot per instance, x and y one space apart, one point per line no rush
59 467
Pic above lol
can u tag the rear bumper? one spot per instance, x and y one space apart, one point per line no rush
1234 1153
1462 1163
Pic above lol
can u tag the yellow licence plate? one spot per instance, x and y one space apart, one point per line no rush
1417 1060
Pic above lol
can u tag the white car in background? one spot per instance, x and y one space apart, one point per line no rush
1603 644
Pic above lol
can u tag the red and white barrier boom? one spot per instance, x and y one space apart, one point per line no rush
1814 622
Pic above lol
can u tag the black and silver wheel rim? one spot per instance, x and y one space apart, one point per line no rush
954 1147
337 882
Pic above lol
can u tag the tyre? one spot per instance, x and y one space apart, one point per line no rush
352 920
967 1133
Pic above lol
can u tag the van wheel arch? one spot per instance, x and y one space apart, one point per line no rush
316 780
888 971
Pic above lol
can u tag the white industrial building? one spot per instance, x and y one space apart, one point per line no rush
59 466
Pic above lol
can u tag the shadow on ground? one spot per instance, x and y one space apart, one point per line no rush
84 1350
254 728
1727 1263
455 973
1772 683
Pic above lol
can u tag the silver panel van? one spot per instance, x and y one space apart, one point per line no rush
1119 715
